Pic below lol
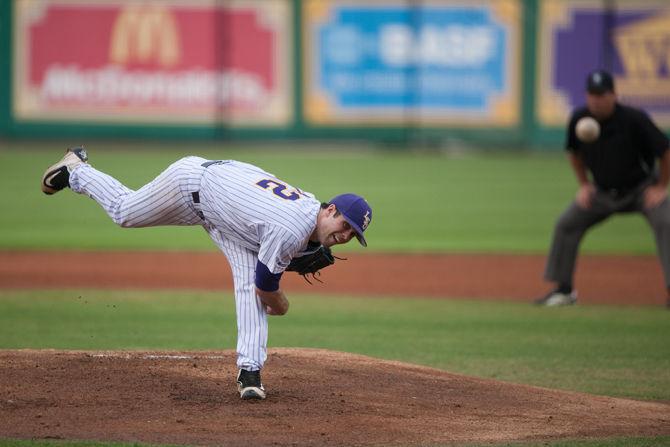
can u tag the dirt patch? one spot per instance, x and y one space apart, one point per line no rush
316 397
600 279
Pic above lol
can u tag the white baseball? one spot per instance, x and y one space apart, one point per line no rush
587 129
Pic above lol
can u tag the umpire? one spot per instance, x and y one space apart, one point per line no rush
617 173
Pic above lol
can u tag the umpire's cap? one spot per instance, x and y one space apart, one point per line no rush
356 211
599 82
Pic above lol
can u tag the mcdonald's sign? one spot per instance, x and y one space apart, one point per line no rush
201 62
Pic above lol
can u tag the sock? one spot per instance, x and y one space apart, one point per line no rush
564 288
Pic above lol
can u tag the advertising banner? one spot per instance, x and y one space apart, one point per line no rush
631 40
174 61
371 62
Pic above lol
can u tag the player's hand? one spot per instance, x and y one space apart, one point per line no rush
585 195
654 195
275 302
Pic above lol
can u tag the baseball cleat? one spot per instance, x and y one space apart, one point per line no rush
57 176
249 385
556 298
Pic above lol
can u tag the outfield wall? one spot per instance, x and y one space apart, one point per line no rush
485 72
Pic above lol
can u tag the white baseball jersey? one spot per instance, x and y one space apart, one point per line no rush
251 216
258 211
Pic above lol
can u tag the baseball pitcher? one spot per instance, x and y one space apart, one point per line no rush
263 225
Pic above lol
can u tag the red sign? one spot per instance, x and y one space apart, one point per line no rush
169 61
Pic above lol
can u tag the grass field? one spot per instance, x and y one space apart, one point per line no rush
485 202
421 202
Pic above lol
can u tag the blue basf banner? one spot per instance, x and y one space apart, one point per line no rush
372 63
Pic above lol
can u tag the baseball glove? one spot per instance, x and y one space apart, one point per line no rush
311 263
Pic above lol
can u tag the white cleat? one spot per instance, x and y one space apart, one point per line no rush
556 298
57 176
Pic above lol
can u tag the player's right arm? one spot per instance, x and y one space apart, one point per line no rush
267 289
572 145
586 188
275 302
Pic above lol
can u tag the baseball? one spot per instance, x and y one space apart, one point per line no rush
587 129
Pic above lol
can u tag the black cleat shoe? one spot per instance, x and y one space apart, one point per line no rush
57 176
249 385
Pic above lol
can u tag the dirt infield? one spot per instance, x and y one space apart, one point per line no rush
315 398
600 279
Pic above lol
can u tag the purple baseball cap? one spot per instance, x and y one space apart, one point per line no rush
356 212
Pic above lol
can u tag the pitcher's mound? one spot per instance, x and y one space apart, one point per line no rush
315 397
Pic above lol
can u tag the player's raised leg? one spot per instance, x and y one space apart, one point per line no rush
166 200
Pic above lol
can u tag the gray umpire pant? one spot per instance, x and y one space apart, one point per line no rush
575 221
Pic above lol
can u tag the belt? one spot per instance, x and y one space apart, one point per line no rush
622 191
196 204
619 192
196 194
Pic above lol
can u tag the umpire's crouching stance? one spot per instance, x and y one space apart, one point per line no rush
624 178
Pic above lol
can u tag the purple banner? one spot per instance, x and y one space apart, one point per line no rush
632 41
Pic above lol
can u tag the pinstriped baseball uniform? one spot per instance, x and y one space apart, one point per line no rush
248 213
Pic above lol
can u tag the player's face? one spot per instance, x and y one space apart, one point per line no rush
601 106
334 230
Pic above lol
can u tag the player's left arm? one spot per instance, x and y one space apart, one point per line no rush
655 141
657 193
664 170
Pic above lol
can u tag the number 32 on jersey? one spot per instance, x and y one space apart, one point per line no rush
280 189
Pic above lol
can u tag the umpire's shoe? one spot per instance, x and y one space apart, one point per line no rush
557 298
249 384
57 176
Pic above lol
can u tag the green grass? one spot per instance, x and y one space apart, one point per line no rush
607 350
478 202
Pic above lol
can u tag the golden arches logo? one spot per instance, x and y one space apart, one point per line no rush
145 33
